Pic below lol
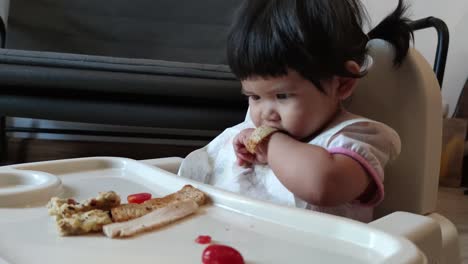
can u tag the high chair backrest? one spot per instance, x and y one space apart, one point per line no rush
407 99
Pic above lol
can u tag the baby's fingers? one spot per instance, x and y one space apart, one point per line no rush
243 163
245 159
243 150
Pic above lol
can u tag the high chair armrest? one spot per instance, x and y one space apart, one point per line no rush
171 164
423 231
450 241
434 235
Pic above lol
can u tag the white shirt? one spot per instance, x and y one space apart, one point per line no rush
371 143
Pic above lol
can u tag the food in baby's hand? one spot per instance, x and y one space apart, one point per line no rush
217 254
258 136
138 198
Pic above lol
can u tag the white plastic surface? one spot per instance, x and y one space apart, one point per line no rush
26 188
170 164
423 231
450 253
262 232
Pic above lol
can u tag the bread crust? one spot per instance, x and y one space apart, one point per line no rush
258 136
127 212
153 220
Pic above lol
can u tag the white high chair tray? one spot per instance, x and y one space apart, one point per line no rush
261 232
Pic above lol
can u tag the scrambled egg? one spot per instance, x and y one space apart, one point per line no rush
75 218
84 222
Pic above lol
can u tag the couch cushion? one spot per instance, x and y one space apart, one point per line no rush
45 72
183 30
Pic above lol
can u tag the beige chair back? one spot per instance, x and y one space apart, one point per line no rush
409 100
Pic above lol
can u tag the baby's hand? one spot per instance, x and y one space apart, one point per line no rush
244 157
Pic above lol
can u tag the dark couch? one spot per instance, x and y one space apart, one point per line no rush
152 63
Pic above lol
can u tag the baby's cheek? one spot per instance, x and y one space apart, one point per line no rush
291 119
297 127
255 116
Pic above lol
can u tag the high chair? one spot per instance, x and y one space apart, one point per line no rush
409 100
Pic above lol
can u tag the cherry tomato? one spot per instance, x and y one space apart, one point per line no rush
221 254
203 239
138 197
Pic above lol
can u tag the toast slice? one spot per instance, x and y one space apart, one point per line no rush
127 212
155 219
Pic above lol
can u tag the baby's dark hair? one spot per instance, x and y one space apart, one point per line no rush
313 37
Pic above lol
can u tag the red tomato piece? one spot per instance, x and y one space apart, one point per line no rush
203 239
221 254
138 197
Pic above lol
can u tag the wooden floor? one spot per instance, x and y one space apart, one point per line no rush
452 203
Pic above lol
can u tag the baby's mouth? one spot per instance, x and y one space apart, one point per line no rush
273 125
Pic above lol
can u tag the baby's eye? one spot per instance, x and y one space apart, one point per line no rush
254 97
282 96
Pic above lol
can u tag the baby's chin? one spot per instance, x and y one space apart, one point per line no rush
305 137
296 136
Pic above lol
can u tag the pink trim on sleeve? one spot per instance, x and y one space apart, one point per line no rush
379 195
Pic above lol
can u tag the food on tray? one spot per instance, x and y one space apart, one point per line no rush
258 135
66 207
74 218
98 214
138 198
203 239
215 254
155 219
56 203
127 212
83 222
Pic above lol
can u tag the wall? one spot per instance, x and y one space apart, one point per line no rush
455 15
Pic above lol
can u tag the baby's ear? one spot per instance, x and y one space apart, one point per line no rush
348 84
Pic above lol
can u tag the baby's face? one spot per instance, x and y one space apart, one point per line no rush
291 103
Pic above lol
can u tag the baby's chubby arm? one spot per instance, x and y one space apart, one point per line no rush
312 173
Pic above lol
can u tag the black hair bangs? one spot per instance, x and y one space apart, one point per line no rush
269 37
265 42
312 37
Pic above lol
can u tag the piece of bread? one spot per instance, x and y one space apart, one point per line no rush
155 219
67 207
257 136
127 212
83 222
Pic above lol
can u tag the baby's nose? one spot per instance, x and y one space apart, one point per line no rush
270 115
